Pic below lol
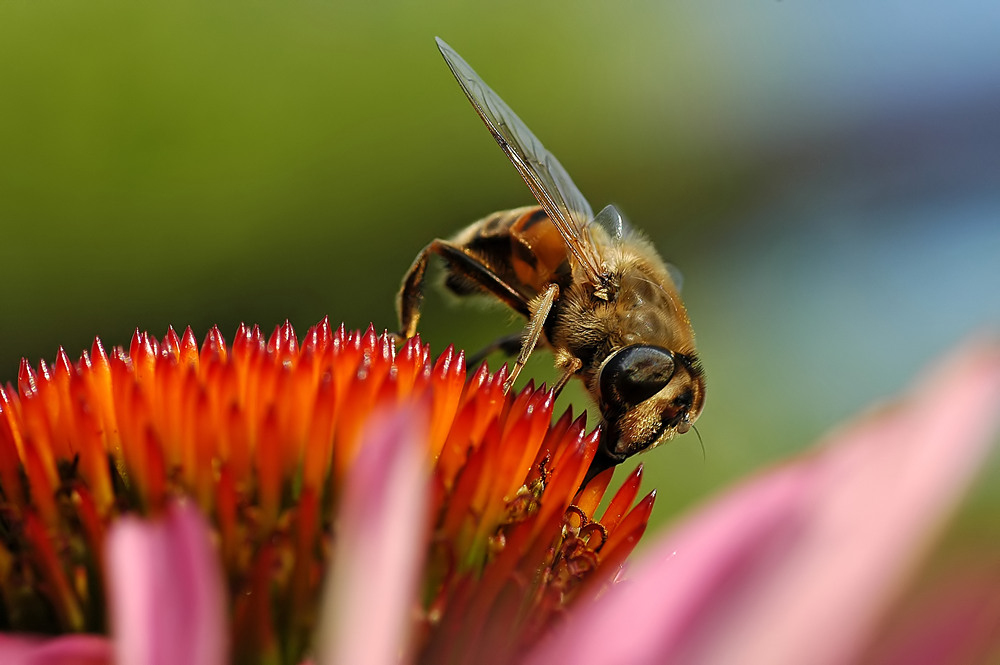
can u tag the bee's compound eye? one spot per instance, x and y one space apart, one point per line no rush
634 374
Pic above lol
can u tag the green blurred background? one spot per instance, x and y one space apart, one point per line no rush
826 177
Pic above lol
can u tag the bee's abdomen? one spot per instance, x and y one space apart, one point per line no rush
520 246
539 254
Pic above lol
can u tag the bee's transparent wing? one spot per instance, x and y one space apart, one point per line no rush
613 222
545 176
676 276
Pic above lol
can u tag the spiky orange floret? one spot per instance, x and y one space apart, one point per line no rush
260 435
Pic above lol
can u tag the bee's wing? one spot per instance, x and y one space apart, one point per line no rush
546 177
613 222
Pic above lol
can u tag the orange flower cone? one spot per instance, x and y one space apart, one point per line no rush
261 437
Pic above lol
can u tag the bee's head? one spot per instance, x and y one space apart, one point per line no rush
647 395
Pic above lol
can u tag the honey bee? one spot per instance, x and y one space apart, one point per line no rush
593 291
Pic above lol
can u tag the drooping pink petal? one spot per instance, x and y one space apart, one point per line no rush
798 565
381 533
956 620
62 650
676 587
166 594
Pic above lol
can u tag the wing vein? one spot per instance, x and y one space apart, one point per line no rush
545 176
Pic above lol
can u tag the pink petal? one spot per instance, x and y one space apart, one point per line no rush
956 620
62 650
166 590
380 537
798 565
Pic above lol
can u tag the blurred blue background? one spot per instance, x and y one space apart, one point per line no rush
827 177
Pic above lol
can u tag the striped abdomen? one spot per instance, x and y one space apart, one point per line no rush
521 246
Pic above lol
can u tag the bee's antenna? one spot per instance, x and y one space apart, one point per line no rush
700 442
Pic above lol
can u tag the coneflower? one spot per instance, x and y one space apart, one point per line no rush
262 437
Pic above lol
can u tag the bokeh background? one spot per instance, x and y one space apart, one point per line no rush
826 176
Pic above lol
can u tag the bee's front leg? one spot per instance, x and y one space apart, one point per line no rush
568 370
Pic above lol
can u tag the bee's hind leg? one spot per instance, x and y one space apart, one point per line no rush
459 262
411 294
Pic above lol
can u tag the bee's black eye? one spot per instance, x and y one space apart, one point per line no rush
634 374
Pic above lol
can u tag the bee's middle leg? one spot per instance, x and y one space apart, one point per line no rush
508 344
532 332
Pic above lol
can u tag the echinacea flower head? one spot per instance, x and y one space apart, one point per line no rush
283 451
